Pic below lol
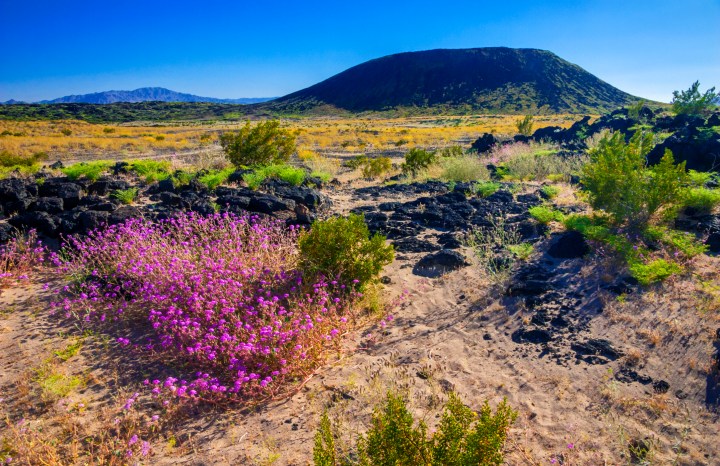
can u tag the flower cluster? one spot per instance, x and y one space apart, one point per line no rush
221 293
18 257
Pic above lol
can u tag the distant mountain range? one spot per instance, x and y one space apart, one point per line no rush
144 94
493 79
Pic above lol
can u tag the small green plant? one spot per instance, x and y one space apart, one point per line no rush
126 196
525 125
66 132
215 178
692 102
263 144
342 248
521 251
545 214
254 180
376 167
181 178
654 271
490 245
7 159
159 137
451 151
463 437
418 159
90 170
70 350
356 162
485 188
550 191
108 130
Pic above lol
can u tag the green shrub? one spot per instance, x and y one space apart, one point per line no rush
463 437
521 251
287 173
418 159
342 248
322 175
692 102
703 200
263 144
374 168
126 196
525 125
254 180
89 170
618 181
181 178
8 159
215 178
522 161
550 191
451 151
545 214
356 162
463 168
700 179
485 188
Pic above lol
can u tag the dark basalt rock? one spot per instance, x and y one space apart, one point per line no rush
43 222
92 219
661 386
597 347
484 143
123 214
535 335
51 205
569 245
103 187
6 232
268 204
713 242
14 190
439 263
414 245
449 241
68 192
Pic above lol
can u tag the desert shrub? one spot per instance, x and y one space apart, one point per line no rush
618 181
18 170
18 256
653 271
66 132
451 151
525 125
550 191
703 200
490 246
287 173
126 196
463 168
545 215
181 178
263 144
7 159
521 251
692 102
356 162
215 178
418 159
89 170
323 168
523 161
376 167
254 180
485 188
700 179
108 130
463 436
221 296
342 249
150 170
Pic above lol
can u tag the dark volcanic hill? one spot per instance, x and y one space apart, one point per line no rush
146 94
494 79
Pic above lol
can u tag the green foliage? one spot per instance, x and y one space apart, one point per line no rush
700 179
545 214
342 248
70 350
66 132
287 173
322 175
525 125
376 167
550 191
89 170
463 437
126 196
618 181
485 188
692 102
451 151
654 271
150 170
263 144
254 180
634 109
703 200
215 178
527 162
521 251
463 168
418 159
181 178
8 159
356 162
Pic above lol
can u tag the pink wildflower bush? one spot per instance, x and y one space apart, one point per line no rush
19 256
221 294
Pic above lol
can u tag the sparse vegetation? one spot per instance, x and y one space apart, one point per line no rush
126 196
418 159
525 125
265 143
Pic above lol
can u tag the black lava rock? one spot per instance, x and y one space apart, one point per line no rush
569 245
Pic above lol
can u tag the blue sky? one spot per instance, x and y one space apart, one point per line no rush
252 48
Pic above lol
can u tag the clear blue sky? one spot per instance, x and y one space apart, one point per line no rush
269 48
